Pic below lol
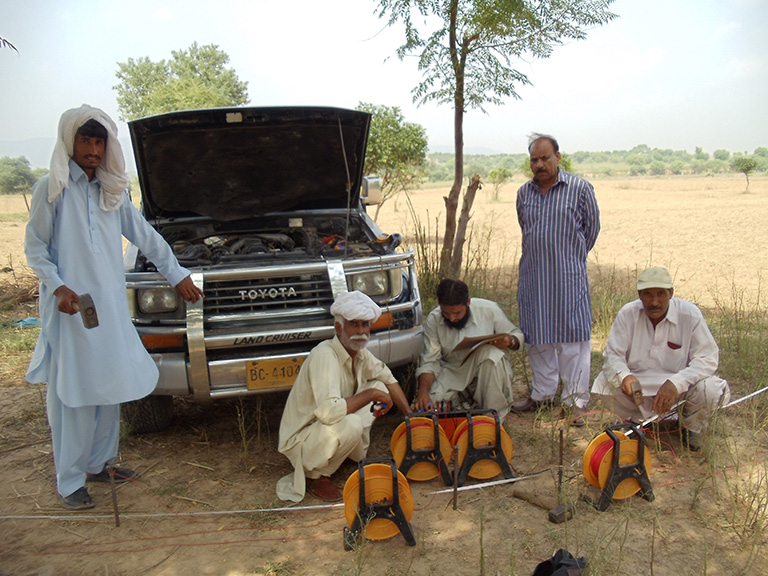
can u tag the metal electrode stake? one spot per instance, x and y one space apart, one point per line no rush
114 496
455 477
560 470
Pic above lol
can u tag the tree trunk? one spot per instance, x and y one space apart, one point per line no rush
452 200
461 231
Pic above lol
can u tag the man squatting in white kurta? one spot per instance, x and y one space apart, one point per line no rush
327 416
485 379
79 213
663 343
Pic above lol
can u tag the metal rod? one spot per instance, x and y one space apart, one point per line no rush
114 496
488 484
560 470
455 477
676 405
747 397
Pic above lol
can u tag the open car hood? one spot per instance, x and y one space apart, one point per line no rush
234 163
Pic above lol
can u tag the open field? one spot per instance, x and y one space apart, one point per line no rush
204 502
709 232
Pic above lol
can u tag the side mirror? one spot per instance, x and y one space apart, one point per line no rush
370 191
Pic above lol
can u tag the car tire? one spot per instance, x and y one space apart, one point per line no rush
148 415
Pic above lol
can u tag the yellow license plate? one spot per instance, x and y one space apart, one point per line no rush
273 373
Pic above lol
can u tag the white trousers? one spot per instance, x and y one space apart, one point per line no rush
324 447
486 378
566 361
701 401
84 440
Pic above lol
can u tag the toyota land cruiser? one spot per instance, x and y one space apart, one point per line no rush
263 206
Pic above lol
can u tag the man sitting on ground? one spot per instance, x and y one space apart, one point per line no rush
484 378
663 343
327 416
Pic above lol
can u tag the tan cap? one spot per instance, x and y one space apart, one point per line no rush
654 277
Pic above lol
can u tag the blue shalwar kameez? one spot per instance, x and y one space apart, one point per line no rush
73 241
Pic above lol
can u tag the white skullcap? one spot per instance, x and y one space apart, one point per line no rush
355 306
111 171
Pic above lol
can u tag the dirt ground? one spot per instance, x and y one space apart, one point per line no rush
204 502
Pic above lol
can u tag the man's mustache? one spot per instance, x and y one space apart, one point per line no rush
363 337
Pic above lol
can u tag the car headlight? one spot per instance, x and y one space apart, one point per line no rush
381 285
375 284
157 300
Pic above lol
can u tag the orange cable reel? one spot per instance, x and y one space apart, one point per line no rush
378 490
422 438
598 461
484 432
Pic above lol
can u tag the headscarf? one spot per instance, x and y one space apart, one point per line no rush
111 171
355 306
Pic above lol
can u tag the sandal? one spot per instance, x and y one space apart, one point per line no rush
78 500
121 475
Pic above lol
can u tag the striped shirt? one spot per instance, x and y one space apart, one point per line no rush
559 229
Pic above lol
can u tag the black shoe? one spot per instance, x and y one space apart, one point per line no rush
121 475
574 415
528 405
78 500
691 440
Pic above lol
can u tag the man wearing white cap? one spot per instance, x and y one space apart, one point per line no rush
663 343
327 416
80 212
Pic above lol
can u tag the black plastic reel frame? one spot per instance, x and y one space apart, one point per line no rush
432 455
620 472
389 510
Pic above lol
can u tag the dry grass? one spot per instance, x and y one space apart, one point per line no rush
710 515
17 290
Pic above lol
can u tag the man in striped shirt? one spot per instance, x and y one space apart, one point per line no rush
560 221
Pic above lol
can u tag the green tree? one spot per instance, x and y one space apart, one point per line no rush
700 154
498 178
677 167
466 61
723 155
194 78
397 150
16 176
745 164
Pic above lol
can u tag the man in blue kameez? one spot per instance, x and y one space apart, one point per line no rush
80 211
560 221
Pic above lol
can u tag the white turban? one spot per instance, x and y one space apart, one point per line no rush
355 306
111 171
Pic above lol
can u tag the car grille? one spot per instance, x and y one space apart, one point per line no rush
264 295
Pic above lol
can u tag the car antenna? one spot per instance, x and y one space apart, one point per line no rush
349 188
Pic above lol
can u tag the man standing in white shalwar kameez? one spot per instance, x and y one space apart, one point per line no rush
484 378
80 211
328 414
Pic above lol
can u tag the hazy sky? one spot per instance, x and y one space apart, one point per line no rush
667 73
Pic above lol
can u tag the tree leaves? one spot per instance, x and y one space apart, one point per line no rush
193 78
